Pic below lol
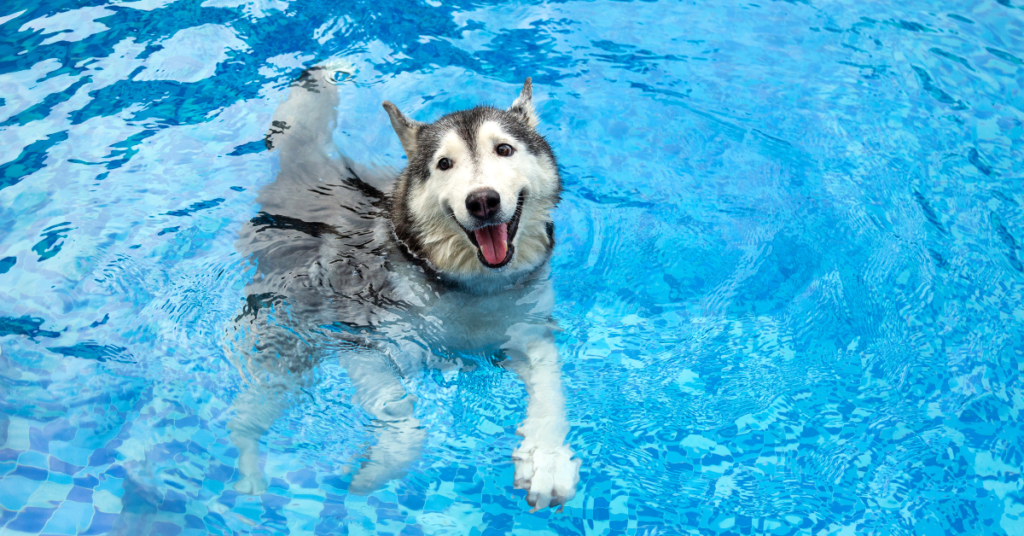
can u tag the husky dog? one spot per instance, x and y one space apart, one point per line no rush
387 273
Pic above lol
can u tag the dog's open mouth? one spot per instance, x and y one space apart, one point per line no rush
494 242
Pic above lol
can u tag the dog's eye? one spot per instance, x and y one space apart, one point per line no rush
504 150
444 164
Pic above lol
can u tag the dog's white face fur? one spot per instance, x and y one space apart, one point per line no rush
456 160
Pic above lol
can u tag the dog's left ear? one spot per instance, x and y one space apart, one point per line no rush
523 106
407 129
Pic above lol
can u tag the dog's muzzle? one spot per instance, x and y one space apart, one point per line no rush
494 242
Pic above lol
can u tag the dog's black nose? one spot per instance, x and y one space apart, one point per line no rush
482 204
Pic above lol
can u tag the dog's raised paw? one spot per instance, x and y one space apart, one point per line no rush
252 485
549 475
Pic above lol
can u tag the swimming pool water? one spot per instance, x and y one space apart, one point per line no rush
789 264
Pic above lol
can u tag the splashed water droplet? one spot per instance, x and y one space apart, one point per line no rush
338 77
339 71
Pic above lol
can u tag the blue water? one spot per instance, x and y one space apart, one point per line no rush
788 273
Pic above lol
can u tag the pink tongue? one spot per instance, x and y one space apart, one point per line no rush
493 242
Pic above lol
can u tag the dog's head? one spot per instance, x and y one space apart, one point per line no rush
475 201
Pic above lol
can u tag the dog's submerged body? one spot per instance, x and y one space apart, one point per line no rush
384 273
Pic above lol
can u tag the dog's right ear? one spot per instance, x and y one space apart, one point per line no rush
406 128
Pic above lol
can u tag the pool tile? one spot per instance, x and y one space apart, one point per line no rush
202 437
70 454
101 523
173 502
78 494
70 518
304 478
15 492
31 519
249 507
59 478
49 493
63 467
213 487
31 473
106 502
33 459
57 430
303 513
103 456
116 471
163 528
114 486
87 481
18 434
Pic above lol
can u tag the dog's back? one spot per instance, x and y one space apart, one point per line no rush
317 243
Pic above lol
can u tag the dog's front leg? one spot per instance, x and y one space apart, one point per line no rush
545 467
256 409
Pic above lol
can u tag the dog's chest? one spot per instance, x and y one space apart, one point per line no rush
462 321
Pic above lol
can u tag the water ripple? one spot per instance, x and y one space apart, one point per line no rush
789 267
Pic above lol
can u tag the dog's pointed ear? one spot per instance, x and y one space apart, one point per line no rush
406 128
523 106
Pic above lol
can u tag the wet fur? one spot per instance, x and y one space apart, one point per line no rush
430 234
332 246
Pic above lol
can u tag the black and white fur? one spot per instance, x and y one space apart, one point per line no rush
430 204
378 272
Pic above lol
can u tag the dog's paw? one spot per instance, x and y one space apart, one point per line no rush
252 485
549 475
371 477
